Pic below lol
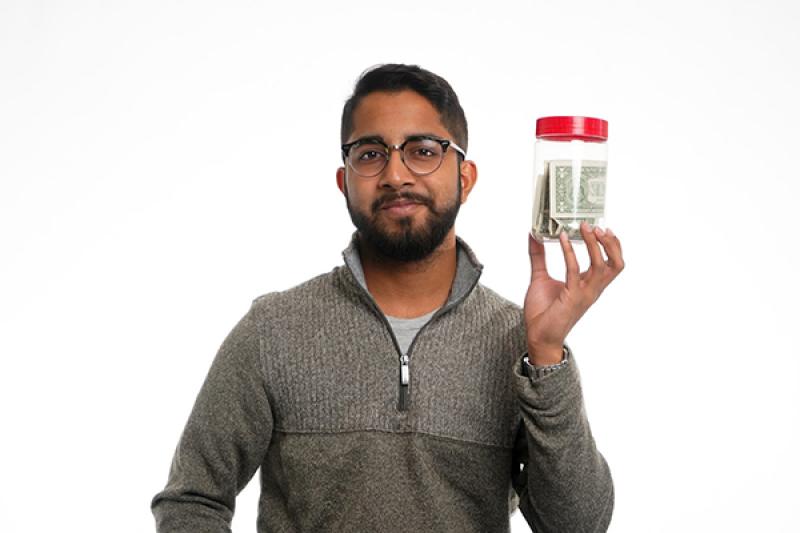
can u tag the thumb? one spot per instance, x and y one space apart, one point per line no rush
536 253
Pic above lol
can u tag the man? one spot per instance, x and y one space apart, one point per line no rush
396 393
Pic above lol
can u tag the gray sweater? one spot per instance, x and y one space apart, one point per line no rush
311 386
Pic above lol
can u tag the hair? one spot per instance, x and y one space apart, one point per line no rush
397 77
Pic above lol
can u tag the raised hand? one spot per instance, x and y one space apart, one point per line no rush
552 307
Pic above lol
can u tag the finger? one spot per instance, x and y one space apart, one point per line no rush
590 236
614 251
536 253
573 272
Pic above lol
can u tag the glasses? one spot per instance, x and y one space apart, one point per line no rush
421 154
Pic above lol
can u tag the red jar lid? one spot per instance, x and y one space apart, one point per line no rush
572 128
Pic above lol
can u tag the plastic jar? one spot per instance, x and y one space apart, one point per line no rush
570 176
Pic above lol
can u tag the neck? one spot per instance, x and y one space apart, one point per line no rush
407 289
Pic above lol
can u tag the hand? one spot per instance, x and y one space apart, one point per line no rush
552 307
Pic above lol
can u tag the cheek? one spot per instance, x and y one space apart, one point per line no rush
356 195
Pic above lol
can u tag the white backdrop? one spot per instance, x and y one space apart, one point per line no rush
162 163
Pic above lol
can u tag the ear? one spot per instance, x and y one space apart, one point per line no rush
469 175
340 179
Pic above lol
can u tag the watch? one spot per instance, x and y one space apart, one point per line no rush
536 372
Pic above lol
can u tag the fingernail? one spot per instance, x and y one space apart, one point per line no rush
611 233
599 231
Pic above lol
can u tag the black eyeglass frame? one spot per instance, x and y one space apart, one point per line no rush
444 143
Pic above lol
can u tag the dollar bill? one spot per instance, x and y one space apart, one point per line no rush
584 202
541 212
558 207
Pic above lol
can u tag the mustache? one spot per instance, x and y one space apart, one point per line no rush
393 197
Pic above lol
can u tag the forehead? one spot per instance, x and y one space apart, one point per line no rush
396 115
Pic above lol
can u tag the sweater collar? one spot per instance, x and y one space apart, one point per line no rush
468 269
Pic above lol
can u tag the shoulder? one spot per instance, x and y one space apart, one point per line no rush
314 291
303 316
496 303
498 315
317 301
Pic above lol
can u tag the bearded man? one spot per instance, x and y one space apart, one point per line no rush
397 393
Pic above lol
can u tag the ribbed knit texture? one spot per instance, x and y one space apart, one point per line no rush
307 386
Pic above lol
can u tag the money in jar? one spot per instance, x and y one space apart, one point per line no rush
571 158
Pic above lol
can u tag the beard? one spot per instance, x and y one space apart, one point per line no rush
408 243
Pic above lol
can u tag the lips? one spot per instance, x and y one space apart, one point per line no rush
399 204
400 200
400 209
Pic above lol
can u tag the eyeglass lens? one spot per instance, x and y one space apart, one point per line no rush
421 156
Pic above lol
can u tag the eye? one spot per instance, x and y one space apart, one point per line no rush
367 153
424 150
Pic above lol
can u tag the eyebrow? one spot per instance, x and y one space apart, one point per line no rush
368 138
379 138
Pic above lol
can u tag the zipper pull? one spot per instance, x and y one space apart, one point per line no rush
404 370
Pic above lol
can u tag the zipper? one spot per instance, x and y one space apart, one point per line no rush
404 370
405 374
403 399
405 359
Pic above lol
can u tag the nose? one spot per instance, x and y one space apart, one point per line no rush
396 174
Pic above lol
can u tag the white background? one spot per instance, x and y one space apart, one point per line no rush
162 163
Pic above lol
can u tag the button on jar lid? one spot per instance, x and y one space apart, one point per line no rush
572 129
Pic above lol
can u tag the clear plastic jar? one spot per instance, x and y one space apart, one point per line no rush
570 168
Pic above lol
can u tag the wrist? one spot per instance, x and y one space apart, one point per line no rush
545 355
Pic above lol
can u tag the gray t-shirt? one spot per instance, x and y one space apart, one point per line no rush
405 329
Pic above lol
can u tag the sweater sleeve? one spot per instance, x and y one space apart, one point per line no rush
224 440
563 482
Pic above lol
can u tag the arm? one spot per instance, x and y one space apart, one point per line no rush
565 484
223 443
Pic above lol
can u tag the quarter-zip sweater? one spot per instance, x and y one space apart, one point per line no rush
349 435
